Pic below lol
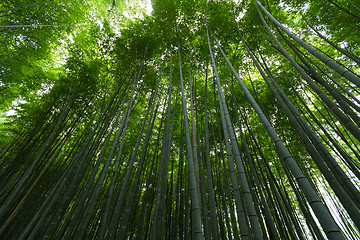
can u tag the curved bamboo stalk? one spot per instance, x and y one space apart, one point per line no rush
249 204
343 72
213 216
195 203
25 6
327 222
339 114
343 51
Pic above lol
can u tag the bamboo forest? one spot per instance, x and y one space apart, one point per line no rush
188 119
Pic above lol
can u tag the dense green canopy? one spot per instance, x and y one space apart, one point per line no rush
188 119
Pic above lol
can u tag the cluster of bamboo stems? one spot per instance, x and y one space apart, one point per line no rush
124 178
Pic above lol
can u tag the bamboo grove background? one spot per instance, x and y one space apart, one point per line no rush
201 119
